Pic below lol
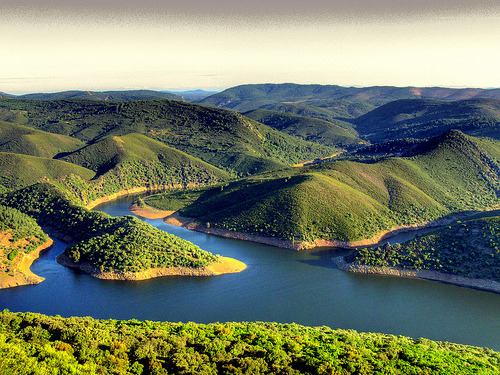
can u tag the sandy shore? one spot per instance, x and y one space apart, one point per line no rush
149 212
23 274
481 284
222 266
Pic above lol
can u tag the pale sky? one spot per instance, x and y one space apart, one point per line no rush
160 44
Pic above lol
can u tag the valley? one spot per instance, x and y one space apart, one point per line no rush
333 172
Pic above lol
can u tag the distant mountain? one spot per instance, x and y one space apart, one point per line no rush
193 96
248 97
118 96
424 118
333 133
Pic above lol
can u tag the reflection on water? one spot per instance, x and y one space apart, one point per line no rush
279 285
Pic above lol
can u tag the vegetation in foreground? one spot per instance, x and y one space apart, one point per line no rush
470 249
38 344
120 244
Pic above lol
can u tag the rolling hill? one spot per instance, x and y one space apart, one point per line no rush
220 137
21 139
17 170
248 97
424 118
351 202
329 110
332 133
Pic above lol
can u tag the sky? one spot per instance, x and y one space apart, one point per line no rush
55 45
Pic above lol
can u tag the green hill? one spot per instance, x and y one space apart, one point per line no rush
424 118
21 139
222 138
123 244
36 344
248 97
352 201
119 96
308 128
132 161
329 110
18 170
469 248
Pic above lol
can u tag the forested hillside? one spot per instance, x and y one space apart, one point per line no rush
352 201
222 138
107 244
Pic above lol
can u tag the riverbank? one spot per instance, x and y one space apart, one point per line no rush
191 224
173 218
481 284
222 266
22 274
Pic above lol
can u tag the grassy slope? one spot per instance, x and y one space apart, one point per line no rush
35 344
351 201
310 129
428 118
18 170
106 243
469 249
21 139
222 138
132 161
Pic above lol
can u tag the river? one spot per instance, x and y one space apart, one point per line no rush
279 285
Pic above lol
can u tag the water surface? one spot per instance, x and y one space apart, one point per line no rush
279 285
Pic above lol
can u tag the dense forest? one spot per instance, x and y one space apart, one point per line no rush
124 244
38 344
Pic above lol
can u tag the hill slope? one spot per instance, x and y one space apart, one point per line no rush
21 238
222 138
21 139
17 171
352 202
310 129
134 161
423 118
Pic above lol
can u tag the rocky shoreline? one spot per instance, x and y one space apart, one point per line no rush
24 275
191 224
481 284
222 266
